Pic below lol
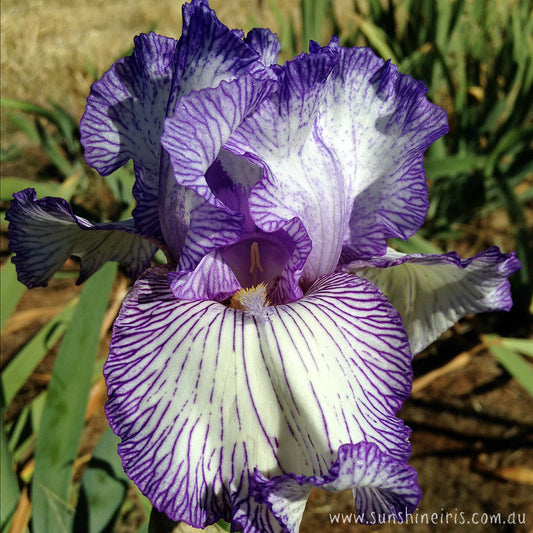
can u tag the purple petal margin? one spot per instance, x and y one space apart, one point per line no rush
202 394
384 488
45 233
265 43
432 292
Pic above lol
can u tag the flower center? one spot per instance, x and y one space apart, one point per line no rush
254 301
256 259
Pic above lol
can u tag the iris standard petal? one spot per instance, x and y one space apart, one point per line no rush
124 118
208 52
432 292
202 394
385 488
265 43
126 108
45 233
194 136
344 139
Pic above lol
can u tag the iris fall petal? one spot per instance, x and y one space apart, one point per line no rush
432 292
202 394
45 233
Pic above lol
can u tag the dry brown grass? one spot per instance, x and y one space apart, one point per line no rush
50 48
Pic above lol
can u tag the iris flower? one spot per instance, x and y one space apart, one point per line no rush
273 351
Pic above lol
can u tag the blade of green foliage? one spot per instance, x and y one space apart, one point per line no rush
25 125
63 416
23 364
224 526
23 433
17 427
514 363
104 487
52 147
10 185
377 39
287 35
9 488
11 290
448 167
415 245
313 19
58 116
524 346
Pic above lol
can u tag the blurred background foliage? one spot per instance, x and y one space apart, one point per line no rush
475 56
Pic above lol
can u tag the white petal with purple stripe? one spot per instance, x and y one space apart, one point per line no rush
124 119
128 105
202 394
208 52
343 139
45 233
193 138
432 292
384 488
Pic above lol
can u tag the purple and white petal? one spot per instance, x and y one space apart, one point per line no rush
432 292
211 279
266 43
344 138
385 488
202 394
45 233
124 118
193 138
202 123
208 52
127 107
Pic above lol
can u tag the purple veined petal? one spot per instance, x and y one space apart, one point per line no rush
202 123
385 488
202 394
45 233
194 136
344 139
432 292
124 118
266 43
127 107
208 52
211 279
209 228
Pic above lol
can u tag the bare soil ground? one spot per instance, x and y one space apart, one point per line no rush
472 425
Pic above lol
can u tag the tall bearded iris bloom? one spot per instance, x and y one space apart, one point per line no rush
273 351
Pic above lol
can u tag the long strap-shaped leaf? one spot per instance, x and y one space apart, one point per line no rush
9 489
63 415
11 291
